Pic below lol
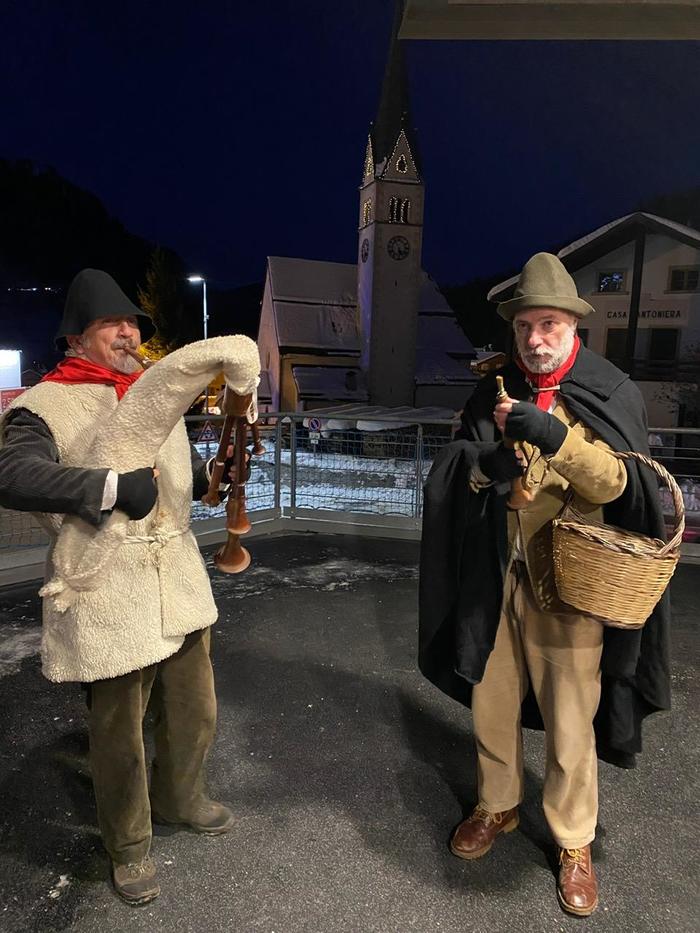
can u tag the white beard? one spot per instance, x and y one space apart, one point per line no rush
546 360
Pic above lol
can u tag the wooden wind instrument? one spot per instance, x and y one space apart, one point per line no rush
520 497
232 557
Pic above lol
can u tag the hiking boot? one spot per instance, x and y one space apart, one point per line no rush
207 817
475 835
577 888
136 882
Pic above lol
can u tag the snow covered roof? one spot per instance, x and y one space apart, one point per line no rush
313 281
318 326
605 239
442 351
431 300
315 308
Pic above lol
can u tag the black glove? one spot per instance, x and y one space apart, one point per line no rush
499 463
527 422
136 493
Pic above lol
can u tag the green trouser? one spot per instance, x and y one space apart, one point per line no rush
181 694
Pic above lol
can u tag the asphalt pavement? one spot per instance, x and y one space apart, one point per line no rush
347 772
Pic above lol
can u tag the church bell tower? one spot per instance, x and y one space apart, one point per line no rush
390 240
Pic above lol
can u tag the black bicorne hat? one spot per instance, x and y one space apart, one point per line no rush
94 294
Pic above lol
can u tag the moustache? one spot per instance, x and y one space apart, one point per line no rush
123 345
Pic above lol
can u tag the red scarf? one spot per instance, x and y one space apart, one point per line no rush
75 370
545 385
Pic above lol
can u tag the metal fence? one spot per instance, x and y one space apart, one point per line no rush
370 478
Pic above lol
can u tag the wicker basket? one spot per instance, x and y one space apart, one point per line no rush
617 576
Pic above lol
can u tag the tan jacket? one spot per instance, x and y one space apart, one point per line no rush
584 463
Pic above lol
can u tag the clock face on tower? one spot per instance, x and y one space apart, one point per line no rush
398 247
364 250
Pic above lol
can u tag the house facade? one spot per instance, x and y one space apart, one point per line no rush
642 275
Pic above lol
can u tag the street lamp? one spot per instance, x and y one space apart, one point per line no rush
205 317
194 279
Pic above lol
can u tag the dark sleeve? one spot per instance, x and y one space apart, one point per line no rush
33 480
200 477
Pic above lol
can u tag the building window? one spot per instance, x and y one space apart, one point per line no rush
399 210
402 164
367 212
616 344
611 280
683 278
583 335
663 344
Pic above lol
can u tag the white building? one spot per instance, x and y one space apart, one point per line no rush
642 275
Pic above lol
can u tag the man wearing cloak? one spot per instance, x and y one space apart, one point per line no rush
494 634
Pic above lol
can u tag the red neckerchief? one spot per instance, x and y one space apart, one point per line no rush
545 385
75 370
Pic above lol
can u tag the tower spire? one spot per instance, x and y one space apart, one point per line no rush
393 113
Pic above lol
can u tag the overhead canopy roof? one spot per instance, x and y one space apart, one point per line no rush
605 239
376 417
551 19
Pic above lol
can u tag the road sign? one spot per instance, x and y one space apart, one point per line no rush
7 396
314 424
207 435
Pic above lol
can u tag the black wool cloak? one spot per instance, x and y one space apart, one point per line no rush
464 556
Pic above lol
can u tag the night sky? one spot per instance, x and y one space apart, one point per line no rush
232 131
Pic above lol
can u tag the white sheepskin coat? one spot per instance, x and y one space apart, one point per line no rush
156 588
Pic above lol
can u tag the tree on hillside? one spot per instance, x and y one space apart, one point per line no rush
476 316
163 299
50 229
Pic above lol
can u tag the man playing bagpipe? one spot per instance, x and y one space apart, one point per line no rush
139 633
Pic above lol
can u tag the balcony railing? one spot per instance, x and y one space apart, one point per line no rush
366 480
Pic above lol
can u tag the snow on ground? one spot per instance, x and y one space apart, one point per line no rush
329 575
326 479
17 642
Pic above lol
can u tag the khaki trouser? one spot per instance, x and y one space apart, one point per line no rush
560 656
181 694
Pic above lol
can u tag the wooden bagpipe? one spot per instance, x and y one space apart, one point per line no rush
240 415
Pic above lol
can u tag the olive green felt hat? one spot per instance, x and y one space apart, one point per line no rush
544 283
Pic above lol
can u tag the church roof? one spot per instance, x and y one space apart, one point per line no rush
443 352
393 113
313 281
318 326
314 305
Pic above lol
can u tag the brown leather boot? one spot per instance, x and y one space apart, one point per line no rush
207 817
577 887
475 835
136 883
